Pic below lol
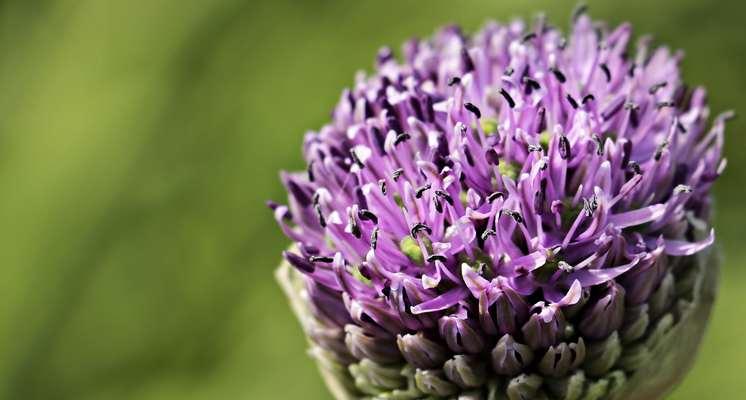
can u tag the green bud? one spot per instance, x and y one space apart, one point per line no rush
562 358
510 357
636 321
433 382
373 379
489 126
466 371
601 356
411 249
617 379
597 390
509 169
568 388
663 297
410 393
525 387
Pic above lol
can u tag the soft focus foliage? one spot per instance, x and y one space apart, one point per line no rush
140 140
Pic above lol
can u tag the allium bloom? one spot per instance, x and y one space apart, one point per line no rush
513 214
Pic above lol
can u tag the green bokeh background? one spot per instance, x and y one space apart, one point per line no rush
140 139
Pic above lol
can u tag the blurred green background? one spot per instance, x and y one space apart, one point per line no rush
140 139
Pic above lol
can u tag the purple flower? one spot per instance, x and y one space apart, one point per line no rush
485 213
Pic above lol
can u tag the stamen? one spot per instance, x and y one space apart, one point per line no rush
511 102
382 185
396 174
657 87
564 148
587 98
422 189
418 227
443 195
311 177
354 227
491 157
468 64
659 151
374 238
494 196
664 104
682 189
401 138
572 101
635 167
535 148
579 10
559 75
367 215
437 257
473 109
509 71
489 232
454 81
513 214
356 159
322 221
321 259
528 36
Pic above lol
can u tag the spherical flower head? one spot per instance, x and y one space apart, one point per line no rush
516 213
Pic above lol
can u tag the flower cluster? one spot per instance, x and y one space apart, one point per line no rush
503 213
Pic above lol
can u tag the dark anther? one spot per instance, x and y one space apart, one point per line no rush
473 109
454 81
422 189
367 215
382 185
681 128
311 177
322 221
559 75
494 196
514 214
438 205
587 98
572 101
374 238
469 158
315 198
535 148
657 87
528 36
564 148
664 104
590 206
660 149
468 64
418 227
396 174
321 259
489 232
356 159
630 106
626 153
607 72
531 84
354 227
445 196
401 138
436 257
635 167
509 71
599 145
511 102
578 11
682 189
